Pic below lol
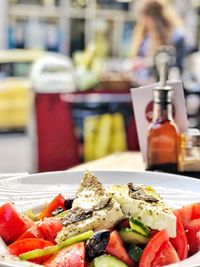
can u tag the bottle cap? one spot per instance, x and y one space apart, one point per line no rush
193 137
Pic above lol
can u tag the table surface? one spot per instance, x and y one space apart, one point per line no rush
122 161
129 161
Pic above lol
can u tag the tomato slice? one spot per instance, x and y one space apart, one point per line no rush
57 202
24 245
167 255
73 255
155 250
49 228
46 229
188 213
12 223
116 248
180 242
32 232
193 236
190 217
195 211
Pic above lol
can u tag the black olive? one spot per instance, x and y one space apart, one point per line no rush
96 245
68 203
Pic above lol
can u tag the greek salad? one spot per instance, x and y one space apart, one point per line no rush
124 225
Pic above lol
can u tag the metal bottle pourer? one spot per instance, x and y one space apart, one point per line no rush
163 60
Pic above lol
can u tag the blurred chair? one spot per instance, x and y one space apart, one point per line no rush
57 145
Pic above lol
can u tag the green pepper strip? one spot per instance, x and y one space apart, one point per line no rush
62 214
53 249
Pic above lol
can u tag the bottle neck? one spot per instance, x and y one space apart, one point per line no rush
162 111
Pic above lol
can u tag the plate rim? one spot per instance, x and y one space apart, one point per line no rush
154 173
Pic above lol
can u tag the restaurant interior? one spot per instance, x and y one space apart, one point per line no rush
99 133
66 70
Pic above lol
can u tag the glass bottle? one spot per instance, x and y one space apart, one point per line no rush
189 158
163 134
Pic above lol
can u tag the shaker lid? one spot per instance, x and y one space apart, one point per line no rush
193 137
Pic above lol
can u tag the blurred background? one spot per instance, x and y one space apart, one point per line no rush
66 69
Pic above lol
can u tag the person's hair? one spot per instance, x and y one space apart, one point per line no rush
165 21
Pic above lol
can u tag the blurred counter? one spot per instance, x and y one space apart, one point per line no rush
123 161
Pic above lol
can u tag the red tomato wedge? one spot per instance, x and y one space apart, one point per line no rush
58 201
167 255
46 229
158 252
188 213
32 232
180 242
73 255
12 224
28 244
193 236
116 248
49 228
190 217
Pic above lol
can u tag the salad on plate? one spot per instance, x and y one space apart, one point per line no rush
124 225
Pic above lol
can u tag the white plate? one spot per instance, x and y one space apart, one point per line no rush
32 191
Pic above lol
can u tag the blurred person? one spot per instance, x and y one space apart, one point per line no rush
157 25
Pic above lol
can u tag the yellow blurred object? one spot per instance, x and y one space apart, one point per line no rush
101 45
90 132
20 55
102 147
103 135
90 63
85 58
14 103
15 93
118 137
89 55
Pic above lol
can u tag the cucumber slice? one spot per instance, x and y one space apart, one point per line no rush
53 249
129 236
134 252
107 261
138 227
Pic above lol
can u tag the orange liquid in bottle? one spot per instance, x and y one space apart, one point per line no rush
163 146
163 135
